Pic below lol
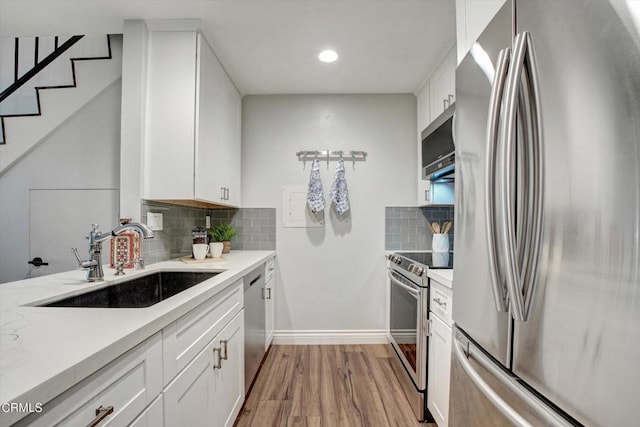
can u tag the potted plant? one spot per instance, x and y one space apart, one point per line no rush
223 233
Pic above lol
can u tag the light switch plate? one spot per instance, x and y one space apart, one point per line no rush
154 221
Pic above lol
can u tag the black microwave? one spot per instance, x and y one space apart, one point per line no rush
438 149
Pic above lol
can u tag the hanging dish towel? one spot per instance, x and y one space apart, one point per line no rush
339 191
315 194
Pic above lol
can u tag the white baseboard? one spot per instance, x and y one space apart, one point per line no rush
340 336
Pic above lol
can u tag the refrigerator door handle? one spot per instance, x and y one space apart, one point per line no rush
497 91
522 272
506 194
486 390
534 152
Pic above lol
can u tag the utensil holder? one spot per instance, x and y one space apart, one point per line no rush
440 242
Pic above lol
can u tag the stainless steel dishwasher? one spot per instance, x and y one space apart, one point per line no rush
254 323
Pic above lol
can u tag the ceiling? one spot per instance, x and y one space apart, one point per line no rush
271 46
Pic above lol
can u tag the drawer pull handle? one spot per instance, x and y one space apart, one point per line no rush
223 345
440 302
101 414
218 365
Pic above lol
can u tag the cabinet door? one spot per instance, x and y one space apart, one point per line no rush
228 380
439 370
209 118
442 86
230 140
269 312
189 398
423 116
171 103
422 109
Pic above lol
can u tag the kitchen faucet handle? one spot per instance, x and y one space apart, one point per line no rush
95 227
75 251
83 265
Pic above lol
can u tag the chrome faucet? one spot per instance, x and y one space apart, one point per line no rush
95 238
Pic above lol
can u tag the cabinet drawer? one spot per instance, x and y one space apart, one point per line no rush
440 301
186 337
128 384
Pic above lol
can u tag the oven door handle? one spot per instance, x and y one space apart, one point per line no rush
412 291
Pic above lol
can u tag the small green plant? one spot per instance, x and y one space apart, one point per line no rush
222 232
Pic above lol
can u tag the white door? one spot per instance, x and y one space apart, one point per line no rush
61 219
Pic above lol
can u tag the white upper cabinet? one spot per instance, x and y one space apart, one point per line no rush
472 17
192 147
437 94
424 117
442 86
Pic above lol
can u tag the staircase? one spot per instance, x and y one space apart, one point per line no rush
47 82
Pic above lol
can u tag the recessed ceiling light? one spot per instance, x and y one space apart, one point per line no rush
328 56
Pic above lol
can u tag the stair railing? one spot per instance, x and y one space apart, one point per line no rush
38 66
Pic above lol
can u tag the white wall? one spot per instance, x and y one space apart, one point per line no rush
83 153
331 278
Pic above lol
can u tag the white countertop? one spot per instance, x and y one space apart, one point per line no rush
444 276
46 350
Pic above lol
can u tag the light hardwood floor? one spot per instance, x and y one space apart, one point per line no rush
328 385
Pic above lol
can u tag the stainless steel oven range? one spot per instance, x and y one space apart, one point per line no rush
409 321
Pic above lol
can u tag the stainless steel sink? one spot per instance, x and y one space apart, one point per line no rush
138 292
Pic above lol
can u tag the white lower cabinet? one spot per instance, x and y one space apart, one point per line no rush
114 395
440 305
228 378
210 390
198 359
188 400
439 369
269 309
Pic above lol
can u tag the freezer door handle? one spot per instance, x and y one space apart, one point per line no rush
497 89
486 390
542 411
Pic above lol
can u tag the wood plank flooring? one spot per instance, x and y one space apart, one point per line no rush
327 385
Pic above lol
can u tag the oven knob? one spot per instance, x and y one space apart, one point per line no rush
418 271
395 259
411 268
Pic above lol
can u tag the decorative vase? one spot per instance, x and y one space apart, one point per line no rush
440 242
215 249
227 247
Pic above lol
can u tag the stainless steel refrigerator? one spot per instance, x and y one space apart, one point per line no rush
547 243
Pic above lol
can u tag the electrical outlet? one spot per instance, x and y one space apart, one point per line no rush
154 221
